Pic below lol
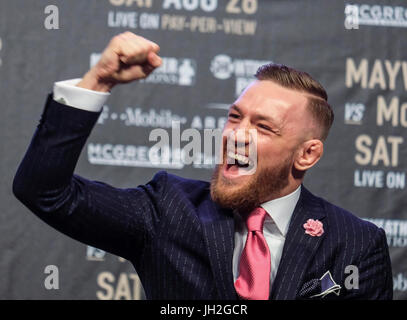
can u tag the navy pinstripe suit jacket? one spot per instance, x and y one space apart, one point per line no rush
178 239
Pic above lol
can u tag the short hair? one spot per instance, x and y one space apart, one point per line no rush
298 80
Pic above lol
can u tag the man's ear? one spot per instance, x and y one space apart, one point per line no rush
308 154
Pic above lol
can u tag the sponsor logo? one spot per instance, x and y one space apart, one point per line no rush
137 117
175 71
396 231
134 156
374 15
224 67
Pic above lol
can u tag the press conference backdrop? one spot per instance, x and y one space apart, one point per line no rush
210 51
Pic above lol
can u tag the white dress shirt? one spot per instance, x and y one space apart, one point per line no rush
279 210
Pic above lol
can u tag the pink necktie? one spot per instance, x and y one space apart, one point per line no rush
253 282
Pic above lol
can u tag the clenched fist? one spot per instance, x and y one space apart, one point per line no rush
128 57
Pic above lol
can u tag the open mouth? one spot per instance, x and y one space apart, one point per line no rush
237 165
238 160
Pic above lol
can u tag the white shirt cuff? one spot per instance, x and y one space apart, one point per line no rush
67 93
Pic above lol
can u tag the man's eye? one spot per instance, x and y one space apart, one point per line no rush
263 126
233 115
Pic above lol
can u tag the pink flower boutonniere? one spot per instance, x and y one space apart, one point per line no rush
314 228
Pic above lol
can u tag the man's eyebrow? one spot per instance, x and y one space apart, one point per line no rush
258 116
268 119
236 108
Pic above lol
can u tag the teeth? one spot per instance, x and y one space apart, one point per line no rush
241 158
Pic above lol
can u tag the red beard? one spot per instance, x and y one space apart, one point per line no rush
260 187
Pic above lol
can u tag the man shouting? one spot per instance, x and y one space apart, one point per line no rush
246 235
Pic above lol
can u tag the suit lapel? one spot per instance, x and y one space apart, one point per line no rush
218 230
299 248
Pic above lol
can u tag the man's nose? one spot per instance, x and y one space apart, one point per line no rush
241 137
241 134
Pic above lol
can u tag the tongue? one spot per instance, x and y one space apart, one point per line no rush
233 168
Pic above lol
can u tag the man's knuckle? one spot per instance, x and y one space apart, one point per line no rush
137 51
116 39
142 49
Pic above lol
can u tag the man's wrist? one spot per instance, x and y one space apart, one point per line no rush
92 82
66 92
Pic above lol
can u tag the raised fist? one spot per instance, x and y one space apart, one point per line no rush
127 57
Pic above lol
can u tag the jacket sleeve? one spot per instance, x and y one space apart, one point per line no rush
116 220
375 272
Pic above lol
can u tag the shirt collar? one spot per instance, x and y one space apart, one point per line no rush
281 209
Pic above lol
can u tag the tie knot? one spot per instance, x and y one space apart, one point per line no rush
255 220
